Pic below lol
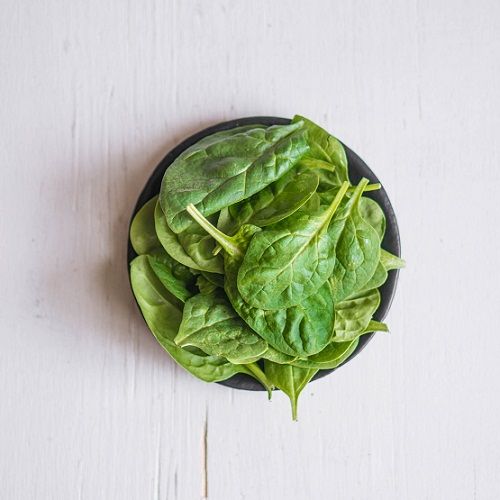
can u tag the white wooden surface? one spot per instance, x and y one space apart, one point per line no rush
93 94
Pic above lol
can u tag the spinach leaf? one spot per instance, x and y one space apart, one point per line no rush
211 324
357 248
376 326
204 286
192 247
371 212
390 261
376 281
163 319
333 355
301 330
162 265
273 203
290 379
142 230
326 154
225 168
288 262
353 315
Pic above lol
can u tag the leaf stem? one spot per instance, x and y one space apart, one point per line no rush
255 370
225 241
336 202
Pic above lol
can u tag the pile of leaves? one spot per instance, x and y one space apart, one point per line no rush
260 257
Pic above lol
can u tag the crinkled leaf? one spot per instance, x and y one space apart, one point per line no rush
211 324
227 167
288 262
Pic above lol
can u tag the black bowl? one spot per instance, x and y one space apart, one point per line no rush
357 169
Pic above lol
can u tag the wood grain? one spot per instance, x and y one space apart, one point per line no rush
93 95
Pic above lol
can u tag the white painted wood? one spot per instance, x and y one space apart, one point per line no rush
93 94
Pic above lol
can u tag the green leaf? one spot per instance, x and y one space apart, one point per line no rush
192 247
326 154
390 261
353 315
376 326
211 324
301 330
273 203
333 355
163 319
227 167
162 266
288 262
371 212
142 230
290 379
357 249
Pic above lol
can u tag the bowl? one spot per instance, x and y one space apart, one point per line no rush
357 169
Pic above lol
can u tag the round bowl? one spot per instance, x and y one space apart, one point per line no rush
357 169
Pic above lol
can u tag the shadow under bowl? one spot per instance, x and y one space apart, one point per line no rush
357 169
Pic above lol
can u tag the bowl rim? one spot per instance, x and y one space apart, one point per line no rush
390 242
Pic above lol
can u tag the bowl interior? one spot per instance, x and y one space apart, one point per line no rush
357 169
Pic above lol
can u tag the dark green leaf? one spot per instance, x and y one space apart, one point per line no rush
227 167
291 260
211 324
290 379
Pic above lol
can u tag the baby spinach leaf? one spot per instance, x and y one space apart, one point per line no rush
377 280
371 212
211 324
357 248
326 153
390 261
192 247
290 379
333 355
273 203
376 326
161 264
214 278
225 168
288 262
163 319
142 230
302 330
353 315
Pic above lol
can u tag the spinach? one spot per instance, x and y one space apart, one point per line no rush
333 355
161 264
326 154
273 203
192 247
390 261
259 257
353 315
357 248
287 263
290 379
301 330
371 212
211 324
142 230
163 319
228 167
